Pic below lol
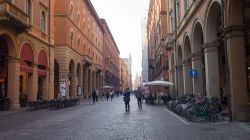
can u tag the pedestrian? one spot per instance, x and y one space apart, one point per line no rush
97 94
126 99
107 96
138 95
111 94
93 95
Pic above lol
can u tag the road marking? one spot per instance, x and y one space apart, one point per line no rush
176 116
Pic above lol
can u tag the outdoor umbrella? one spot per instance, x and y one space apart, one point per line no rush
107 87
158 83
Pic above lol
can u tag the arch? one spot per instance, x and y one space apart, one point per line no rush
42 58
11 42
26 53
197 38
213 18
187 48
187 66
179 55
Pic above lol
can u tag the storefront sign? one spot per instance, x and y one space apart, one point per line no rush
79 91
62 84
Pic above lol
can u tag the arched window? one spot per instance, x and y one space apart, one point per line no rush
28 7
71 39
71 12
78 19
43 22
79 44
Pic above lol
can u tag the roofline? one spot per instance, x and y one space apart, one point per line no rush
104 21
95 13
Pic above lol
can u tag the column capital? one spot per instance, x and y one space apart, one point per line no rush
234 31
186 62
211 47
196 56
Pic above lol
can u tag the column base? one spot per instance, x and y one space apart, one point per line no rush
15 106
241 115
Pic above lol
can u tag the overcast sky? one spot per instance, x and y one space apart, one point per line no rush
124 19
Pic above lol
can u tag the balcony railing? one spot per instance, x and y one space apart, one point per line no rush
169 42
12 16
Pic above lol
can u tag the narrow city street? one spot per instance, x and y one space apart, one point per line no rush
109 121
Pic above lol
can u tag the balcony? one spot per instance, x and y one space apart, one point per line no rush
169 42
87 60
11 16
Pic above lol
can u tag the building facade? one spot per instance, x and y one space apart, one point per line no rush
137 82
124 76
78 48
128 62
156 31
111 59
208 45
144 52
26 51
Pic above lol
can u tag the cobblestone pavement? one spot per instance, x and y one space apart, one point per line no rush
109 121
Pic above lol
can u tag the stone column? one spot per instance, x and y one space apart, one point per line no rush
171 79
187 79
13 83
238 78
86 76
74 90
180 80
90 84
198 82
32 87
80 82
212 69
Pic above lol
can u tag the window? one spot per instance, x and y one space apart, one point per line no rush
28 7
71 39
185 6
71 12
79 44
78 19
178 11
43 22
84 48
171 24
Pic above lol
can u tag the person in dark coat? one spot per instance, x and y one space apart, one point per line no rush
94 96
126 98
138 95
107 96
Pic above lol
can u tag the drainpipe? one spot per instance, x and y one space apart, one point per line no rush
49 49
226 63
174 40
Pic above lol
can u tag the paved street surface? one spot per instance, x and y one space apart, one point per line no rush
109 121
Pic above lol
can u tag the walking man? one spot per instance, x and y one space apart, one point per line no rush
97 95
94 96
107 96
138 95
126 98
